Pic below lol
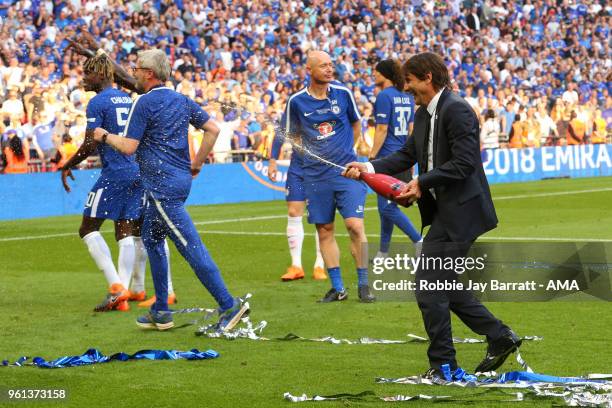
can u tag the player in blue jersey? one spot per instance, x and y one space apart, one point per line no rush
296 202
394 115
117 195
137 287
156 131
324 120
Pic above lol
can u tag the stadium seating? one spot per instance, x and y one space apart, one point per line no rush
533 67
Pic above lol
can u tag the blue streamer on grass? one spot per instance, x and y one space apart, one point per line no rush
94 356
514 376
460 378
535 377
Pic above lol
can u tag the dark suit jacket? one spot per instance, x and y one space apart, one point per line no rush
471 21
463 198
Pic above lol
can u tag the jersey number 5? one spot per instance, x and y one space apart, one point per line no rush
403 116
121 120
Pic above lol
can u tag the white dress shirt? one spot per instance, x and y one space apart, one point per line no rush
431 109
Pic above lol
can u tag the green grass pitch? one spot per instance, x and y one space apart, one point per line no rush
49 285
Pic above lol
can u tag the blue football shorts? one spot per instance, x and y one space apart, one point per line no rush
113 199
324 197
294 187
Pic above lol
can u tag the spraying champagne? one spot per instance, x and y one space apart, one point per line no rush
383 184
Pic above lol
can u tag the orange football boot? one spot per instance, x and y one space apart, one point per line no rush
319 273
293 273
116 294
149 302
123 306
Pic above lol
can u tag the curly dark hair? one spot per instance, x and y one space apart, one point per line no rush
392 70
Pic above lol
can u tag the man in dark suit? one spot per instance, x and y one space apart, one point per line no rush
472 19
454 200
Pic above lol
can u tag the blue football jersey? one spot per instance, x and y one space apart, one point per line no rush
160 120
324 127
396 110
109 110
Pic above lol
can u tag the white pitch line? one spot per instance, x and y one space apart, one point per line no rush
272 217
26 238
557 239
283 234
263 217
279 233
558 193
228 220
210 222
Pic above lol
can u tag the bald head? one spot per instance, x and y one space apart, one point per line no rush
316 57
320 67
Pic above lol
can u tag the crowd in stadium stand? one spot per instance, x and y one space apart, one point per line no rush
536 72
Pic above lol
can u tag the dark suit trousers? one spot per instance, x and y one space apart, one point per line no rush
436 305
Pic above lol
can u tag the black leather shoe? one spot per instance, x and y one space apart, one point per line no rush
498 351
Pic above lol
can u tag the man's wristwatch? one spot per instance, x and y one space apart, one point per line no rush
104 136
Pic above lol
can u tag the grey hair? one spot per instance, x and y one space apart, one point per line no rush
157 61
